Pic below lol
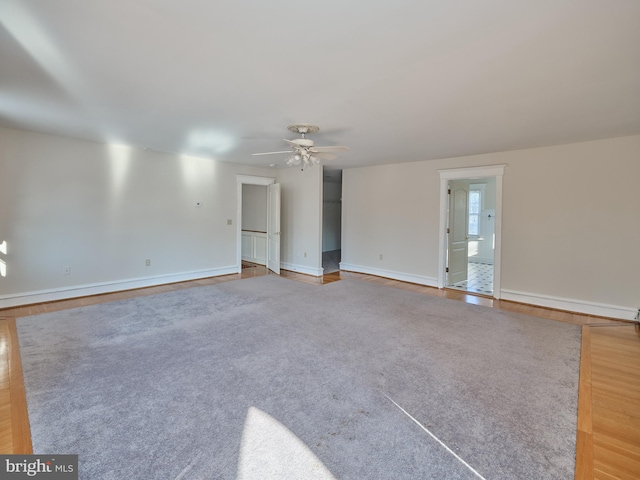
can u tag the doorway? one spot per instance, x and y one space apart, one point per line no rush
471 235
331 220
471 229
254 224
259 245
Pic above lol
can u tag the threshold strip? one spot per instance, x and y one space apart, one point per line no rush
434 437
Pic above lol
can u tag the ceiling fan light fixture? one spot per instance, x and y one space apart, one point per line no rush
293 160
304 149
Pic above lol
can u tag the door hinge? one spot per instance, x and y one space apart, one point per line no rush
448 230
449 192
446 270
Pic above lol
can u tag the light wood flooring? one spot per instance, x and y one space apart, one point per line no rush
608 436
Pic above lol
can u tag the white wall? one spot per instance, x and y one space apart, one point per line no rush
570 230
331 216
391 210
301 219
103 210
254 208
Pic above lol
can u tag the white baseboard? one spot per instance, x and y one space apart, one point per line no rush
316 272
569 304
572 305
50 295
404 277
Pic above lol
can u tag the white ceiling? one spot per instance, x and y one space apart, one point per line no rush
396 80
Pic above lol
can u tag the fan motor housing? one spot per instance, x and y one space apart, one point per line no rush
303 142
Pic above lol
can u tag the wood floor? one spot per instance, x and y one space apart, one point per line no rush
608 434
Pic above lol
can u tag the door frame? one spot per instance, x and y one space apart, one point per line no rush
496 171
245 180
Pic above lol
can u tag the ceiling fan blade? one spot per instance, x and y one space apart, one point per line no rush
334 148
272 153
293 144
325 155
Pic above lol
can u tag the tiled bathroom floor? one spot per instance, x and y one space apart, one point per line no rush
479 279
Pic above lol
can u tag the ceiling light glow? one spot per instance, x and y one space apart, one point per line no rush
209 141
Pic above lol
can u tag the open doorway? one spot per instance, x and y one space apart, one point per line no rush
331 219
471 235
470 229
255 244
254 225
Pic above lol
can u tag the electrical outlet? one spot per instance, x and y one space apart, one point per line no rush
148 262
305 254
66 270
380 256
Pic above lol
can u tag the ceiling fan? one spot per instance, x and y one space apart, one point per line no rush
303 150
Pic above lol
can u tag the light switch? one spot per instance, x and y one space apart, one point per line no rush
229 222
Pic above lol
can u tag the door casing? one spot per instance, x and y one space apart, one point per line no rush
496 171
248 180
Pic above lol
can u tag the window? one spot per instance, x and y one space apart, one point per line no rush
3 265
475 205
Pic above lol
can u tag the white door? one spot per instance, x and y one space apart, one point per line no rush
458 238
273 227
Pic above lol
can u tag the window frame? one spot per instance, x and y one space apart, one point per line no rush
480 189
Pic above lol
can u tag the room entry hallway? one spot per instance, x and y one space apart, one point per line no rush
608 436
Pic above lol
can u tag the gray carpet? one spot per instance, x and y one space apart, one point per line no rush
271 378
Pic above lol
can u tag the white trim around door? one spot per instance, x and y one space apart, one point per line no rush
248 180
496 171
